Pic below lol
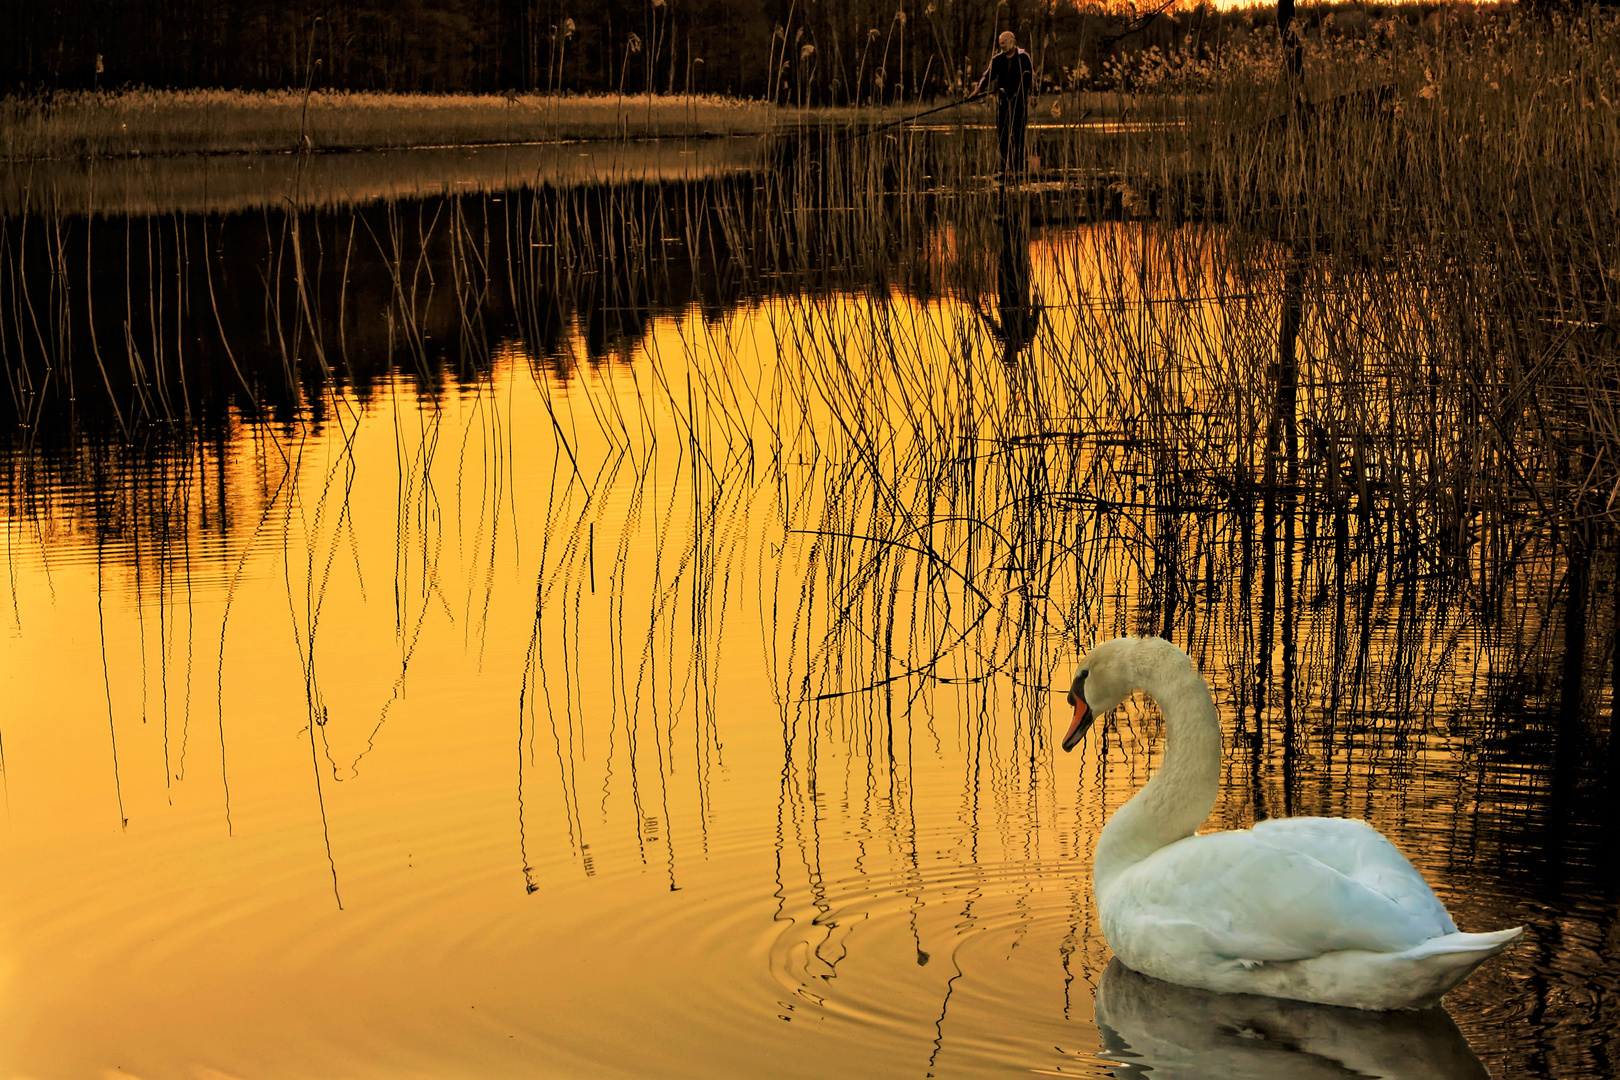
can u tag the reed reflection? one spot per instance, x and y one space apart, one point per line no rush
894 519
1153 1028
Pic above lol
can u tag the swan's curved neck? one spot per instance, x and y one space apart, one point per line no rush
1181 794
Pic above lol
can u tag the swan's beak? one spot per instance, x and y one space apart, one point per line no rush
1083 717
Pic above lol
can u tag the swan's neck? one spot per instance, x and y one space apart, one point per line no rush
1181 794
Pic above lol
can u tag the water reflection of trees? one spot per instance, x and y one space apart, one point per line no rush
230 320
1261 456
160 318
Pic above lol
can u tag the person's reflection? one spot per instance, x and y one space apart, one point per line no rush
1178 1033
1018 308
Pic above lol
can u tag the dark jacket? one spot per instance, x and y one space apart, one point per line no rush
1013 77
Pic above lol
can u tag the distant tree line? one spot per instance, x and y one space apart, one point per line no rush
809 51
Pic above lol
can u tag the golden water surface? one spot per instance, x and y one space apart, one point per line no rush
570 722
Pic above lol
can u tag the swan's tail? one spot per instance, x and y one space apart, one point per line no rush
1478 946
1446 961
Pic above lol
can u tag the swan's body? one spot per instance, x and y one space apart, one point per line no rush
1317 909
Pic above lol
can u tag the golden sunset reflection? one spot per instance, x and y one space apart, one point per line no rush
689 711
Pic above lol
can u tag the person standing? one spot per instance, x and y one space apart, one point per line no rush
1012 73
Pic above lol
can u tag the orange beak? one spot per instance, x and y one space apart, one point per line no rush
1081 724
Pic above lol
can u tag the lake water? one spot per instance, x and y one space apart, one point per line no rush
614 624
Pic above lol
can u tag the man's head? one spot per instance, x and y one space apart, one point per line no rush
1008 42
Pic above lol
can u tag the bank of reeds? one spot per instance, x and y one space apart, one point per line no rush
77 126
1376 301
1472 167
1296 307
156 122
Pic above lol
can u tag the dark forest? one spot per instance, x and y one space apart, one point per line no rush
787 50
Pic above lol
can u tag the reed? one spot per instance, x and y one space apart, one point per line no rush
1274 381
1271 380
158 122
148 123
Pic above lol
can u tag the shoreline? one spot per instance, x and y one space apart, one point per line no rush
233 183
140 124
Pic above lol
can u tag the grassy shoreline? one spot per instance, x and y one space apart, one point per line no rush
157 122
138 123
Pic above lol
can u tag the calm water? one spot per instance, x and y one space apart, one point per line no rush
640 654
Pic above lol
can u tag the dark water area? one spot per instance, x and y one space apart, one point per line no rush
468 627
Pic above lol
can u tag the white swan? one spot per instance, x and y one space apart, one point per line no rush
1316 909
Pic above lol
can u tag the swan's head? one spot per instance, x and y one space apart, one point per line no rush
1104 679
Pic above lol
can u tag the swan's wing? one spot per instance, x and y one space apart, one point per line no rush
1287 890
1362 854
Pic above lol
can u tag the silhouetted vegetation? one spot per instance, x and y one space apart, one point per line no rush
857 51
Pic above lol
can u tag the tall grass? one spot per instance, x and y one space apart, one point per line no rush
1265 355
1286 383
223 186
152 123
147 122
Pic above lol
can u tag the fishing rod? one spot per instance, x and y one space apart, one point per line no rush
911 119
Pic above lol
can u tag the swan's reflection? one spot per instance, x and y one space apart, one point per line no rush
1178 1033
